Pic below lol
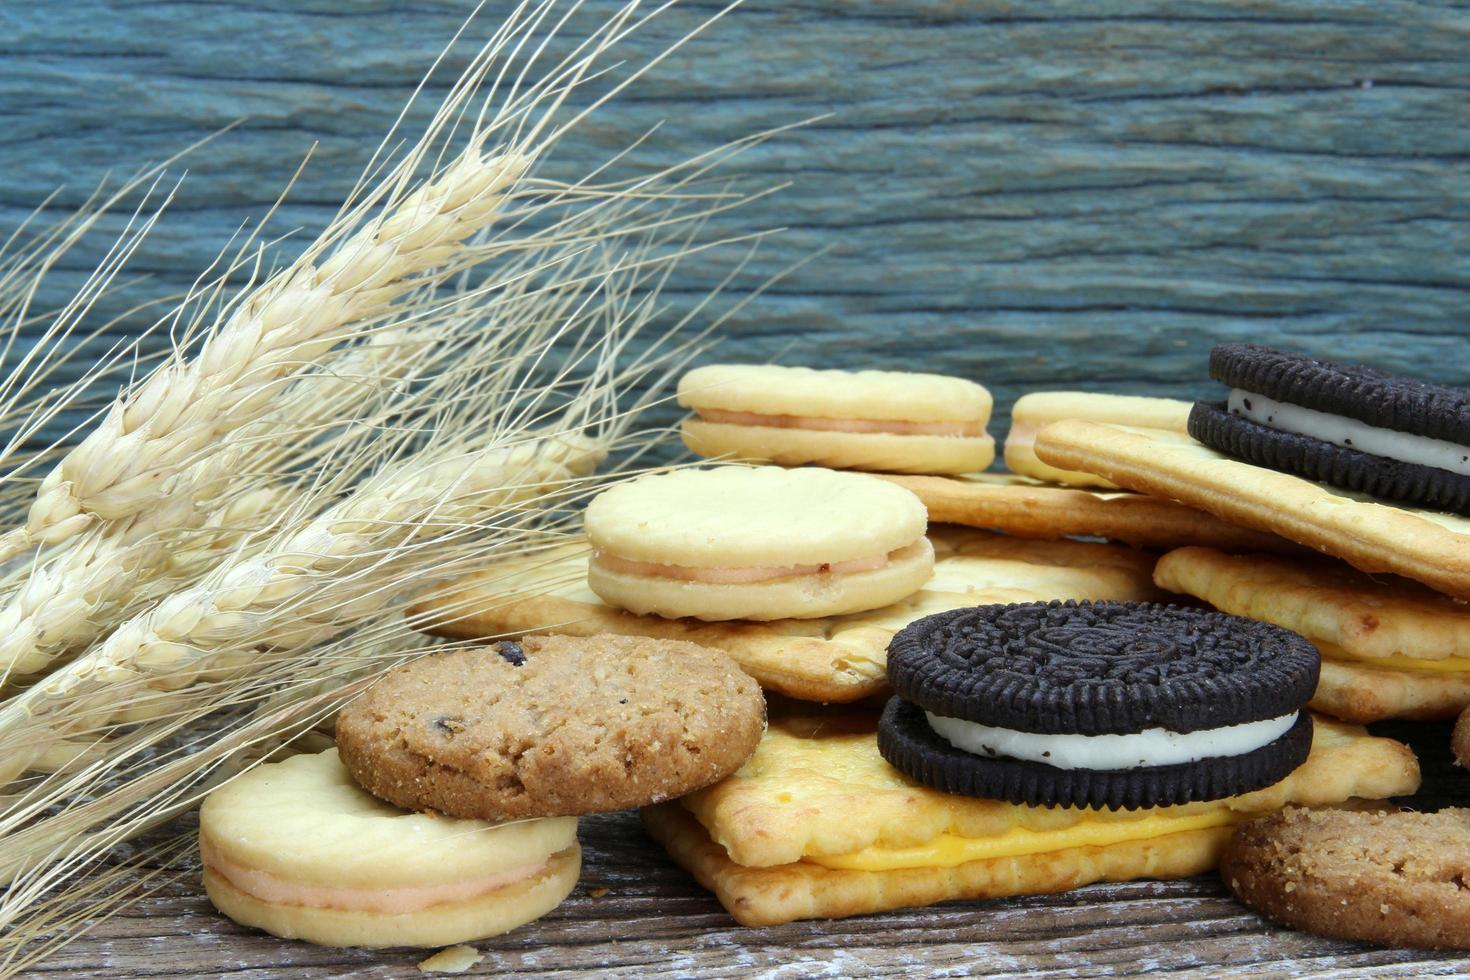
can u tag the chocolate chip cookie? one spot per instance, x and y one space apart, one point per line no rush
552 726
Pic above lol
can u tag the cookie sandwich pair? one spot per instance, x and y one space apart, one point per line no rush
448 810
1029 748
888 421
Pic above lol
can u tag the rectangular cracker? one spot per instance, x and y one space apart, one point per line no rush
1349 616
814 792
1029 508
1426 546
838 659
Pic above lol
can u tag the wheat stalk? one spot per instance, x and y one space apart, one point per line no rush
123 467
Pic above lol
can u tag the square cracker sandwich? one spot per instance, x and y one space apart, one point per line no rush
1427 546
818 825
1393 646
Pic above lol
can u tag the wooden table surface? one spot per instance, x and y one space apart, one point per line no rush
654 921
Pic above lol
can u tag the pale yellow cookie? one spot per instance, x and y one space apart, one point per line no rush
737 542
1035 411
836 659
817 825
1427 546
297 849
1022 506
1399 650
893 421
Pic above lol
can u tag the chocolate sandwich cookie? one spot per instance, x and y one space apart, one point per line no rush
1348 425
1107 704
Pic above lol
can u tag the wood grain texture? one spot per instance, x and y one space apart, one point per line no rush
1070 193
654 921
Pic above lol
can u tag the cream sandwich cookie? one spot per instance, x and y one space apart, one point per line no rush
756 543
890 421
1107 704
297 849
1035 411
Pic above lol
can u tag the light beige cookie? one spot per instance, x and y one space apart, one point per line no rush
894 421
738 542
817 825
1429 547
297 849
1401 650
836 659
1037 410
1022 506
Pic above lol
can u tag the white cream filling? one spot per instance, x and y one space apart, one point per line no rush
1150 747
1350 433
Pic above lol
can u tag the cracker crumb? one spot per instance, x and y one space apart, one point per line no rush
596 892
455 959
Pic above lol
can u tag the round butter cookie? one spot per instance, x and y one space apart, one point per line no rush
1035 411
297 849
1345 424
890 421
757 543
1100 704
552 726
1393 878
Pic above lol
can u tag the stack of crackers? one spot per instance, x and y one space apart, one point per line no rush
1106 499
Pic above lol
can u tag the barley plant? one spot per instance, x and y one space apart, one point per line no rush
201 573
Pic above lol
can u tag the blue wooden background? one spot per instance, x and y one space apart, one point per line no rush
1067 193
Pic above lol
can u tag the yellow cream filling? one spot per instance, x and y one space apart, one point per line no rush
1448 665
950 850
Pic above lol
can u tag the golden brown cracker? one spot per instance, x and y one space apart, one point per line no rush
838 659
1351 617
1361 694
1029 508
1429 547
819 788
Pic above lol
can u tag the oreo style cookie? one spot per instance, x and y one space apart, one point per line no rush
1107 704
1351 426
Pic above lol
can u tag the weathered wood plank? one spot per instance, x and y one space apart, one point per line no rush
1069 193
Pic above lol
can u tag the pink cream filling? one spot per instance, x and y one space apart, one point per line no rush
739 576
891 426
389 901
1022 434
